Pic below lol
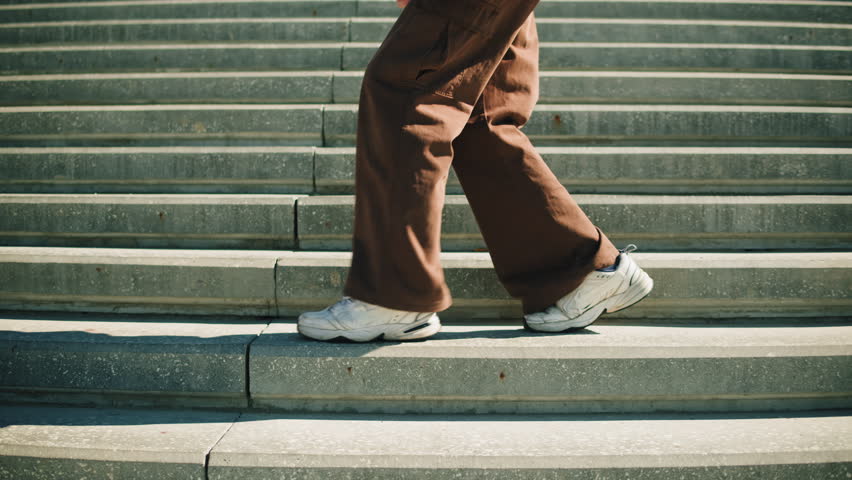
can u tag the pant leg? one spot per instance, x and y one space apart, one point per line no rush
541 243
417 95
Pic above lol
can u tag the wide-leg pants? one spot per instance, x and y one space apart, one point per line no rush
452 85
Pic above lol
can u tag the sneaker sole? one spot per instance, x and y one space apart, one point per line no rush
393 333
636 293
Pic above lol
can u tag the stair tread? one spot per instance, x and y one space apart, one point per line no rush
495 445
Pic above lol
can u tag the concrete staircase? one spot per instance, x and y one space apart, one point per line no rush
176 185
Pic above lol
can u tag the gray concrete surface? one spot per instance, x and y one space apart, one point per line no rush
649 30
149 221
663 56
162 124
586 448
643 87
143 360
138 280
670 223
205 169
61 443
183 87
705 285
658 125
268 283
232 56
170 56
360 29
504 369
316 87
655 170
61 10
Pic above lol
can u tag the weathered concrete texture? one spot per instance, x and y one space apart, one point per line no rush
502 369
662 56
141 360
659 222
657 124
20 11
162 124
655 170
137 280
648 31
659 87
157 170
187 87
291 170
824 11
316 87
61 443
177 30
149 221
706 285
164 57
675 447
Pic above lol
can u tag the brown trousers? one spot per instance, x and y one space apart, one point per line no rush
452 84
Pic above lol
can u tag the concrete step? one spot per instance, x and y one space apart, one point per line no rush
283 283
38 442
76 442
182 362
637 56
331 171
687 223
344 87
341 29
281 29
687 170
149 221
583 30
131 360
335 125
770 10
233 56
557 124
163 125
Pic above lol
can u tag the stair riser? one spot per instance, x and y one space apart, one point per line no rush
606 30
247 223
561 125
658 223
745 58
313 87
205 170
335 56
104 358
292 170
698 286
797 12
335 125
237 124
360 30
614 171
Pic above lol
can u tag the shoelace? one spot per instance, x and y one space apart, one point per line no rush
628 249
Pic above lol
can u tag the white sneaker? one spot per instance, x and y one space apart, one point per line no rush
362 322
599 293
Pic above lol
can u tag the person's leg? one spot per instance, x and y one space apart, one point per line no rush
542 244
417 95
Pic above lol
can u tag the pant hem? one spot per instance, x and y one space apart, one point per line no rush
406 307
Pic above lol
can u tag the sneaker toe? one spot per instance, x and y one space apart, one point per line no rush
551 314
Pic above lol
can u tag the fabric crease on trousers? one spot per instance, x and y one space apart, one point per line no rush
451 86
